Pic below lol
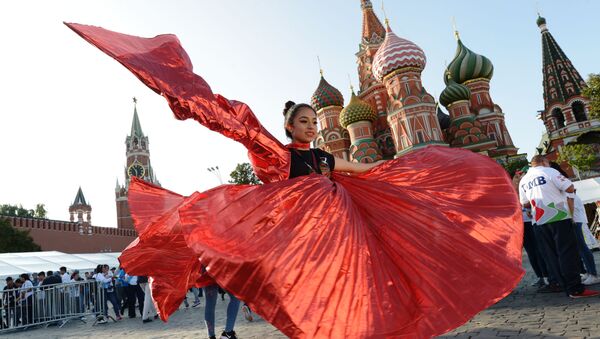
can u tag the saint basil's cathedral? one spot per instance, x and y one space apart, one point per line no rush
393 113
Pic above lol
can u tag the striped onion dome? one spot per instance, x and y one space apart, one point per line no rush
395 53
326 95
357 110
468 65
454 92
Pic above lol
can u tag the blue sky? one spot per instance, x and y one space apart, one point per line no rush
66 108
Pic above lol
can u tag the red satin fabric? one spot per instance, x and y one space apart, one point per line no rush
412 248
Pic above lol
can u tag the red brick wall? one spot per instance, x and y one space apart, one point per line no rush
63 236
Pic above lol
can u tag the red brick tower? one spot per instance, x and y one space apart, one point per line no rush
372 91
137 164
83 211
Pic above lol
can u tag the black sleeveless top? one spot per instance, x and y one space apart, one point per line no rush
305 162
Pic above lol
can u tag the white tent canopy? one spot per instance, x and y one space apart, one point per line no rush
588 190
15 264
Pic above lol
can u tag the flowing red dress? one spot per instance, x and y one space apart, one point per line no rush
412 248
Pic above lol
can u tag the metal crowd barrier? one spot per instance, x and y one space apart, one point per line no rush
56 304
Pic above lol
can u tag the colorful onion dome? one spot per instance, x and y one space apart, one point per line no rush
468 65
395 53
454 92
357 110
326 95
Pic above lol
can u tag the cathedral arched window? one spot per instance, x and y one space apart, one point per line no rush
569 87
553 93
564 75
551 80
407 88
135 142
559 64
559 117
579 111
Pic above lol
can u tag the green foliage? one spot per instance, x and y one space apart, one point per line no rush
19 211
13 240
16 211
592 92
40 211
512 166
244 175
581 156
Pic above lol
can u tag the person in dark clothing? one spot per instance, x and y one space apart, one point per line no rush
9 304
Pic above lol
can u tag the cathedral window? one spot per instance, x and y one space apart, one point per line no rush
407 88
420 137
479 98
559 64
559 118
579 111
553 93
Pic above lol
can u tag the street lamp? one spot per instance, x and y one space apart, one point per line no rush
215 170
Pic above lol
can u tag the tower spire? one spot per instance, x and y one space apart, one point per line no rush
372 29
561 79
136 127
79 198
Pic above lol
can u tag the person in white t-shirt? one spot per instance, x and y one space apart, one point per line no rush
26 299
544 190
530 243
580 219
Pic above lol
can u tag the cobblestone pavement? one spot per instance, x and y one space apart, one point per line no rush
527 314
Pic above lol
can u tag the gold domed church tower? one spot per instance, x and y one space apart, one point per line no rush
358 118
565 113
474 72
137 164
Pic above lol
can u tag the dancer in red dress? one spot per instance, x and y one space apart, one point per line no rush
413 247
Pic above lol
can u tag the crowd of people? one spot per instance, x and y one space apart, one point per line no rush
555 222
27 300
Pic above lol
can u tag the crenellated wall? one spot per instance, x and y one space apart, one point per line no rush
73 237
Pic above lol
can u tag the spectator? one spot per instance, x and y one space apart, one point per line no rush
148 308
580 219
104 276
52 278
134 292
65 276
26 299
545 190
9 298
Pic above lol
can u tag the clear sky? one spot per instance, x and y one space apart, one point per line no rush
66 108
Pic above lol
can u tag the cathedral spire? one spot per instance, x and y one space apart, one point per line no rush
372 29
561 79
136 127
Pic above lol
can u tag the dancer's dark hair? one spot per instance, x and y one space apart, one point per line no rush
289 113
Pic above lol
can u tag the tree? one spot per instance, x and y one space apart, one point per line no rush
40 211
581 156
13 240
16 211
512 166
244 175
19 211
592 92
